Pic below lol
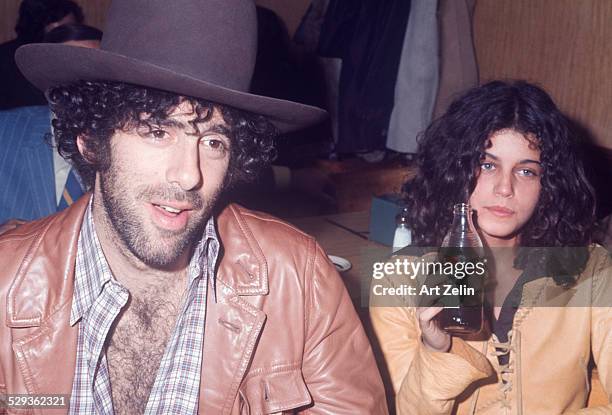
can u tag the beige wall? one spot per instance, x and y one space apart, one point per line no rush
291 11
563 45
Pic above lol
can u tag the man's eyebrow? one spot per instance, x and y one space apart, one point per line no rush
172 123
520 162
215 128
220 129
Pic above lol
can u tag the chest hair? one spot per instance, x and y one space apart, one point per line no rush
136 347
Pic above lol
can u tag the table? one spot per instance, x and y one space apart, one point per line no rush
345 235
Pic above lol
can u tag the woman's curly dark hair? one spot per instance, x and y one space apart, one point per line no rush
95 110
452 148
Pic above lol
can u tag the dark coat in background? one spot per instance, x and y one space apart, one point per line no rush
368 36
15 90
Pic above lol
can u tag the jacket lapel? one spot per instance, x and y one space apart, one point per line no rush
233 318
46 356
44 343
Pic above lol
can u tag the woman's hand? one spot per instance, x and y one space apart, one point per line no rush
433 337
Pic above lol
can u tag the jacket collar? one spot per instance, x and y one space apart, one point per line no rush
45 279
243 266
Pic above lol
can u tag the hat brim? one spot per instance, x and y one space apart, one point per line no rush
48 65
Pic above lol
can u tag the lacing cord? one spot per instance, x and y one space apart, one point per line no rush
507 370
500 350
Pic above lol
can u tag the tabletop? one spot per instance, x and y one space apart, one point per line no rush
346 235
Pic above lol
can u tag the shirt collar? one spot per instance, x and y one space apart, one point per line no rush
92 272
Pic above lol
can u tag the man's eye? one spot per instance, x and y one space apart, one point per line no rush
158 134
214 144
487 166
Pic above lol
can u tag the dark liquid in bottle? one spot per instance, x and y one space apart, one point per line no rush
463 313
462 320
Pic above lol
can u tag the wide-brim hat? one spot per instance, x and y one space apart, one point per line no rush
197 48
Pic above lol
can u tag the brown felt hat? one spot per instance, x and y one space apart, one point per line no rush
198 48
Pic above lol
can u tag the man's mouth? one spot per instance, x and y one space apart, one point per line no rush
170 215
168 209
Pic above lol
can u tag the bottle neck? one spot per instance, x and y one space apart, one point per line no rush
462 232
461 222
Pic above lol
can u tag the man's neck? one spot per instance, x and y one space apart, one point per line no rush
130 271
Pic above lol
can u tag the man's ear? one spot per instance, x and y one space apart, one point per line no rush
82 146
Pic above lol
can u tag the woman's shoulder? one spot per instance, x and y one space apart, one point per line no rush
599 270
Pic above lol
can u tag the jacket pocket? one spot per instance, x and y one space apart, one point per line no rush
274 392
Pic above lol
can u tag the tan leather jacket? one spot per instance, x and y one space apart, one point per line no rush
549 350
281 331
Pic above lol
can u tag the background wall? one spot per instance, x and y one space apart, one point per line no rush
563 45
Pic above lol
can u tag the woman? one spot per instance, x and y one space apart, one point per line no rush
506 149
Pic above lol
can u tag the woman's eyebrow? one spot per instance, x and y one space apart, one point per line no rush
520 162
491 156
530 161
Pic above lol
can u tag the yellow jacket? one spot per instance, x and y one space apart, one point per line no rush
549 350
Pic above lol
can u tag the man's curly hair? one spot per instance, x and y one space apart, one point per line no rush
453 146
95 110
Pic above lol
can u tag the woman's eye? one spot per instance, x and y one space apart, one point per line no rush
527 173
487 166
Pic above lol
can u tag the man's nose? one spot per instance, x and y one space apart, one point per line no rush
504 186
184 169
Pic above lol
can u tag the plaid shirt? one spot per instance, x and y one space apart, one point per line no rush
98 299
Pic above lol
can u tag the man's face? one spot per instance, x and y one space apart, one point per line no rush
162 184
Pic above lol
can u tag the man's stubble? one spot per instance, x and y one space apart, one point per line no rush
127 218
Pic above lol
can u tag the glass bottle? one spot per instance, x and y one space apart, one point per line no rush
463 309
403 235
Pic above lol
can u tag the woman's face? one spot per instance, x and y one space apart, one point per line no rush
507 189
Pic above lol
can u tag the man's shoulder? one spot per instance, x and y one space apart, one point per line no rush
266 229
17 244
266 222
24 234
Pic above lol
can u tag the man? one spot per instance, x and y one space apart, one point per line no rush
33 177
36 17
149 296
